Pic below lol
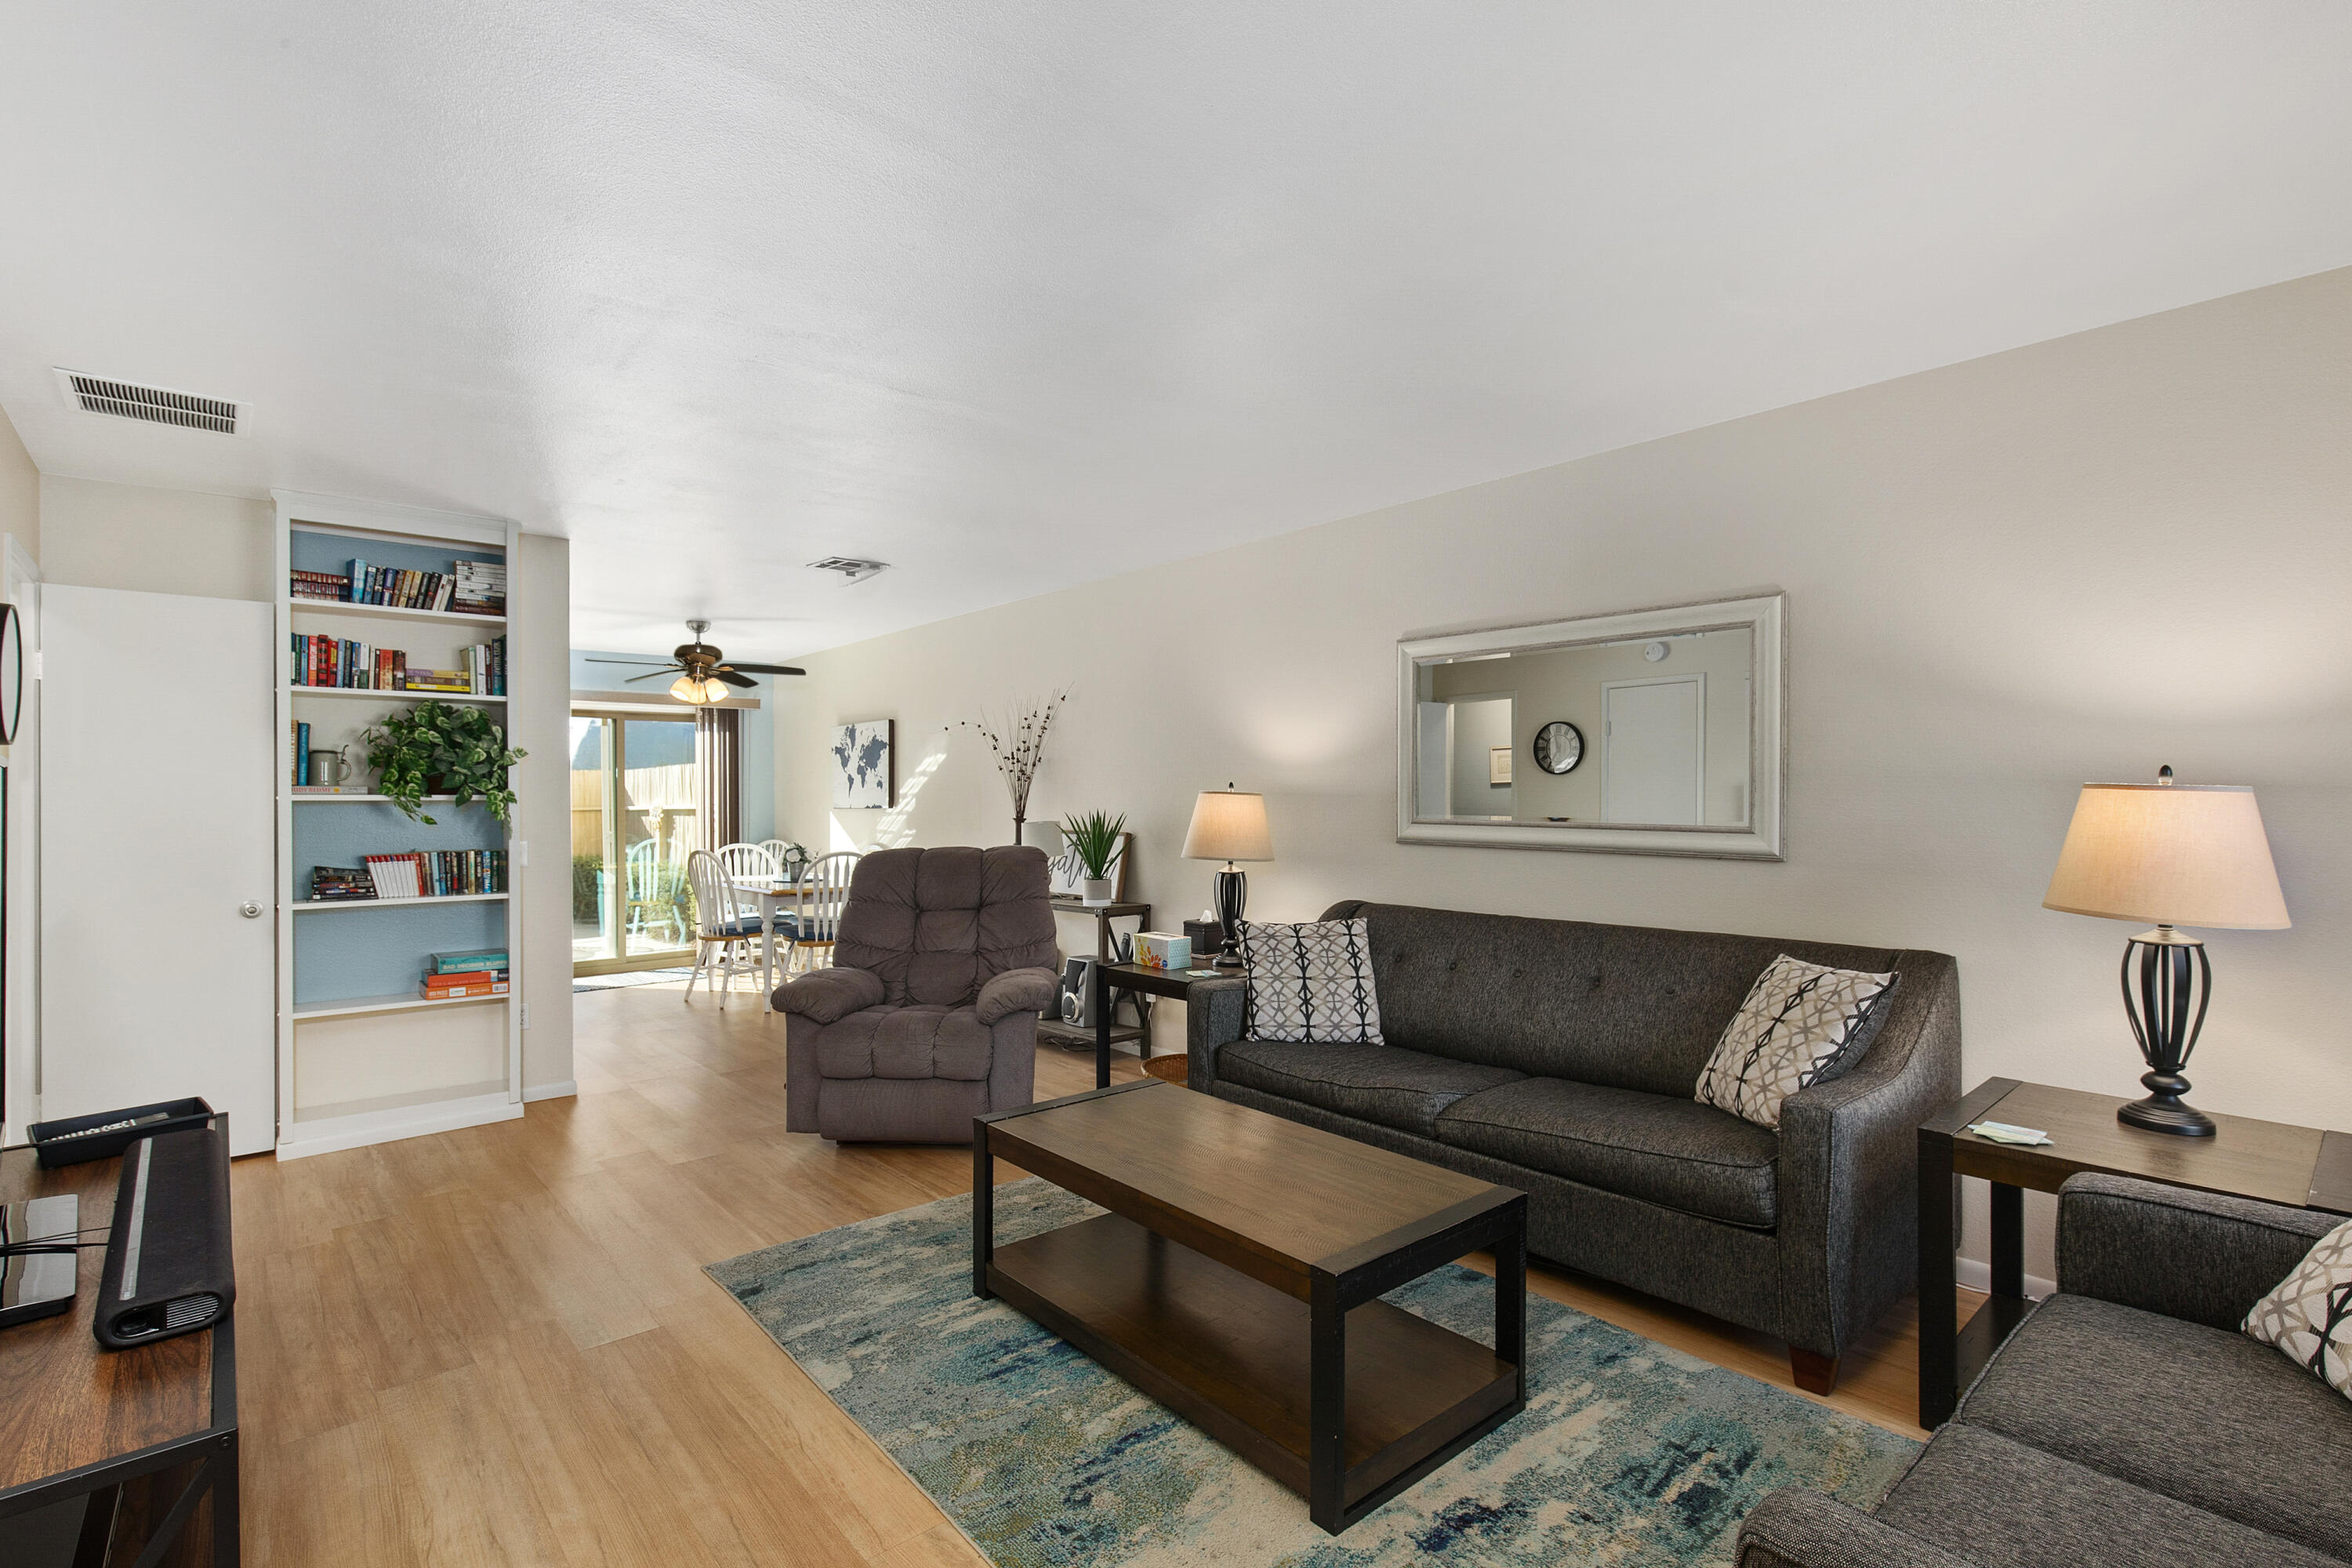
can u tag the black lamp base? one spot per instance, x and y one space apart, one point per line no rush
2167 1010
1233 892
2164 1110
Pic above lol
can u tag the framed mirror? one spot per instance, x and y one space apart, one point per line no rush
1646 732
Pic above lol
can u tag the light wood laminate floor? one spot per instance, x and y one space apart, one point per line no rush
498 1346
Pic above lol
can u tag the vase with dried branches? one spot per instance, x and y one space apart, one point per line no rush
1018 744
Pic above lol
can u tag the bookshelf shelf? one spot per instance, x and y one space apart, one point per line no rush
384 694
312 905
392 613
303 796
354 1007
364 1057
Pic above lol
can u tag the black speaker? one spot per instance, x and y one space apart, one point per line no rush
168 1270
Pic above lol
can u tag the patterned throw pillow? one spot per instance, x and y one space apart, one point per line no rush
2309 1316
1311 981
1802 1025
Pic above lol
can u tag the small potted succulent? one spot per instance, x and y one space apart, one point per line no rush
1098 841
442 748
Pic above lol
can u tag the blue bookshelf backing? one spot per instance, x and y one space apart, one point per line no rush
370 950
334 553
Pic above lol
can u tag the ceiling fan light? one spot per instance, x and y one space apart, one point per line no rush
700 692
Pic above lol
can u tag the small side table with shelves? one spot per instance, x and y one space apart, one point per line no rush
2302 1167
1055 1032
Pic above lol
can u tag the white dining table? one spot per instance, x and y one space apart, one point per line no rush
773 898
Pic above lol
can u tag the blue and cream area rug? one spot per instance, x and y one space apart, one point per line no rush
1628 1454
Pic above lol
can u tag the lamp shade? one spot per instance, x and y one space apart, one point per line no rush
2176 855
1228 824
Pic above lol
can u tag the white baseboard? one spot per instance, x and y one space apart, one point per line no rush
563 1091
1975 1276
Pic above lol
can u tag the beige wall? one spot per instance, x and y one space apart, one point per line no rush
103 535
20 491
2071 562
541 649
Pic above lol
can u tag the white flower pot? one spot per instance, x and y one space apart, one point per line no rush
1097 892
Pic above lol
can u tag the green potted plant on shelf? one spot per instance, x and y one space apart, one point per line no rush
442 748
1098 841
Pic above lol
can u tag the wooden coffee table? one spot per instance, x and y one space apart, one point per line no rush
1236 1280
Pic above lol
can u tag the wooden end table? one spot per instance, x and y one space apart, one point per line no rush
2302 1167
1110 979
1237 1280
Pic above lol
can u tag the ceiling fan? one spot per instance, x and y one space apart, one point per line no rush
702 679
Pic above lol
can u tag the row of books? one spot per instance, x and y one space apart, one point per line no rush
418 874
348 665
467 588
475 972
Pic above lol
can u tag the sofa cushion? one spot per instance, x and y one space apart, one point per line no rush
1621 1005
2003 1505
1802 1024
2308 1318
2204 1415
1662 1149
1382 1084
908 1042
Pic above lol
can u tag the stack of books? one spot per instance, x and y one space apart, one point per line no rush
484 672
470 971
338 661
399 587
481 587
337 884
320 586
438 873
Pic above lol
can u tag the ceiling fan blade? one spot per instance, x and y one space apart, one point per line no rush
653 674
768 668
593 658
731 678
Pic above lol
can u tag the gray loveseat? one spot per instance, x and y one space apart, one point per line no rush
1560 1058
929 1014
2126 1421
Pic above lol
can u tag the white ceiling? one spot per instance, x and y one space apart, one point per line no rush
1019 295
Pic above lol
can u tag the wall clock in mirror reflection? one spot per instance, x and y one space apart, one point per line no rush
1559 746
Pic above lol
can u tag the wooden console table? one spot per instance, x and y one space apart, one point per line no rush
149 1435
2277 1162
1061 1033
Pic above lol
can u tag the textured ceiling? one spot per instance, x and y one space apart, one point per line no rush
1016 296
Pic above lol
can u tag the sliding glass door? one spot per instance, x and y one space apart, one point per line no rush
634 805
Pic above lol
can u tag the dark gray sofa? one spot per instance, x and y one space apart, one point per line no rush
1560 1058
2126 1421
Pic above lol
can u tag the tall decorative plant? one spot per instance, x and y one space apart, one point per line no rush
1018 744
442 748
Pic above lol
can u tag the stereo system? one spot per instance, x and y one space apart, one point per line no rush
168 1270
1075 1004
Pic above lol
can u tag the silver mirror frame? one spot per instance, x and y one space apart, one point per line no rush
1766 618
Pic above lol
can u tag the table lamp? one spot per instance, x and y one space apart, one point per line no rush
2178 855
1229 825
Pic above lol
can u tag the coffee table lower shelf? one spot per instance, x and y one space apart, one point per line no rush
1233 1356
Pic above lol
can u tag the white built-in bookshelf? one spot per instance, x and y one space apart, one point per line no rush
362 1056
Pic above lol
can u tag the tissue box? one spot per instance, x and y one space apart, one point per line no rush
1159 950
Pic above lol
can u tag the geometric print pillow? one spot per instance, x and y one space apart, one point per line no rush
1802 1025
2309 1316
1310 982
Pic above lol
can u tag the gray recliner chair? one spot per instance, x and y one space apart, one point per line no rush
929 1014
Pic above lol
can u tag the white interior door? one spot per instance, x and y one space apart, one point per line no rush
1653 751
157 833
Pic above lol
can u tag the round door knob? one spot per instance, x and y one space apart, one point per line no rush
249 910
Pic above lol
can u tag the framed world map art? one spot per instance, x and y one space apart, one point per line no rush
862 778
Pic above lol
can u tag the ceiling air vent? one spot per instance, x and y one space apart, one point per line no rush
155 405
851 568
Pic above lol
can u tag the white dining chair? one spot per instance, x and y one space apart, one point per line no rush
815 919
724 930
749 862
784 851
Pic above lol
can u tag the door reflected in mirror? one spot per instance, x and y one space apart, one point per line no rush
1623 729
